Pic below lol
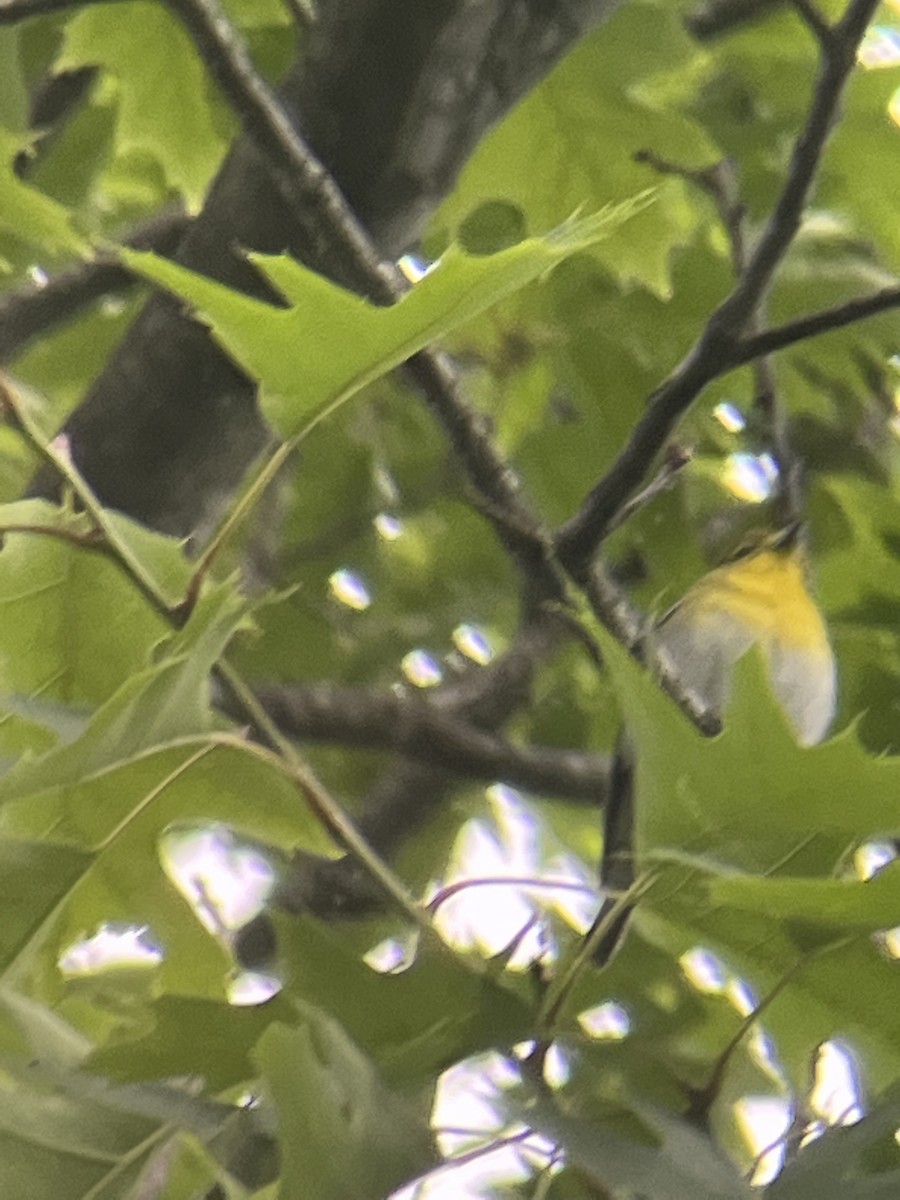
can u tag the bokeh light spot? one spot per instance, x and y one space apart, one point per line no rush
729 416
750 477
421 669
473 643
387 527
414 267
349 589
252 987
607 1022
704 970
880 47
112 946
224 881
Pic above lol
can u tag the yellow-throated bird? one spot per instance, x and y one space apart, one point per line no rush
761 598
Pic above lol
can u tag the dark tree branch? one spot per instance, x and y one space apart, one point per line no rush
838 60
813 19
720 183
409 794
318 205
314 198
412 727
617 871
717 349
829 319
390 98
30 312
12 11
329 229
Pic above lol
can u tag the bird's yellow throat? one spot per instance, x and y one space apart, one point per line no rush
767 590
760 599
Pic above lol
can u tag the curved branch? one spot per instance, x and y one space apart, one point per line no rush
413 727
780 337
314 198
319 206
30 312
407 795
718 348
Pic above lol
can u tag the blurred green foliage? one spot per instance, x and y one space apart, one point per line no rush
111 745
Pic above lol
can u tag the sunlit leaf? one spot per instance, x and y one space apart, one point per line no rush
164 100
328 1094
356 342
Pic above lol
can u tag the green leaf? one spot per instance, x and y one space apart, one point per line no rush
674 1161
413 1023
201 1037
868 905
28 214
343 1132
55 1146
47 1035
572 142
164 703
72 1135
73 626
144 762
164 104
356 342
13 88
103 861
752 801
830 1165
738 805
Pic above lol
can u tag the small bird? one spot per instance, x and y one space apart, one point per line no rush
760 597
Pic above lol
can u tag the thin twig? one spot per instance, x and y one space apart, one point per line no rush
609 602
532 882
274 743
826 321
238 512
811 16
304 183
717 349
838 60
56 453
90 539
409 793
561 988
703 1098
31 311
719 183
325 216
330 813
663 482
723 185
